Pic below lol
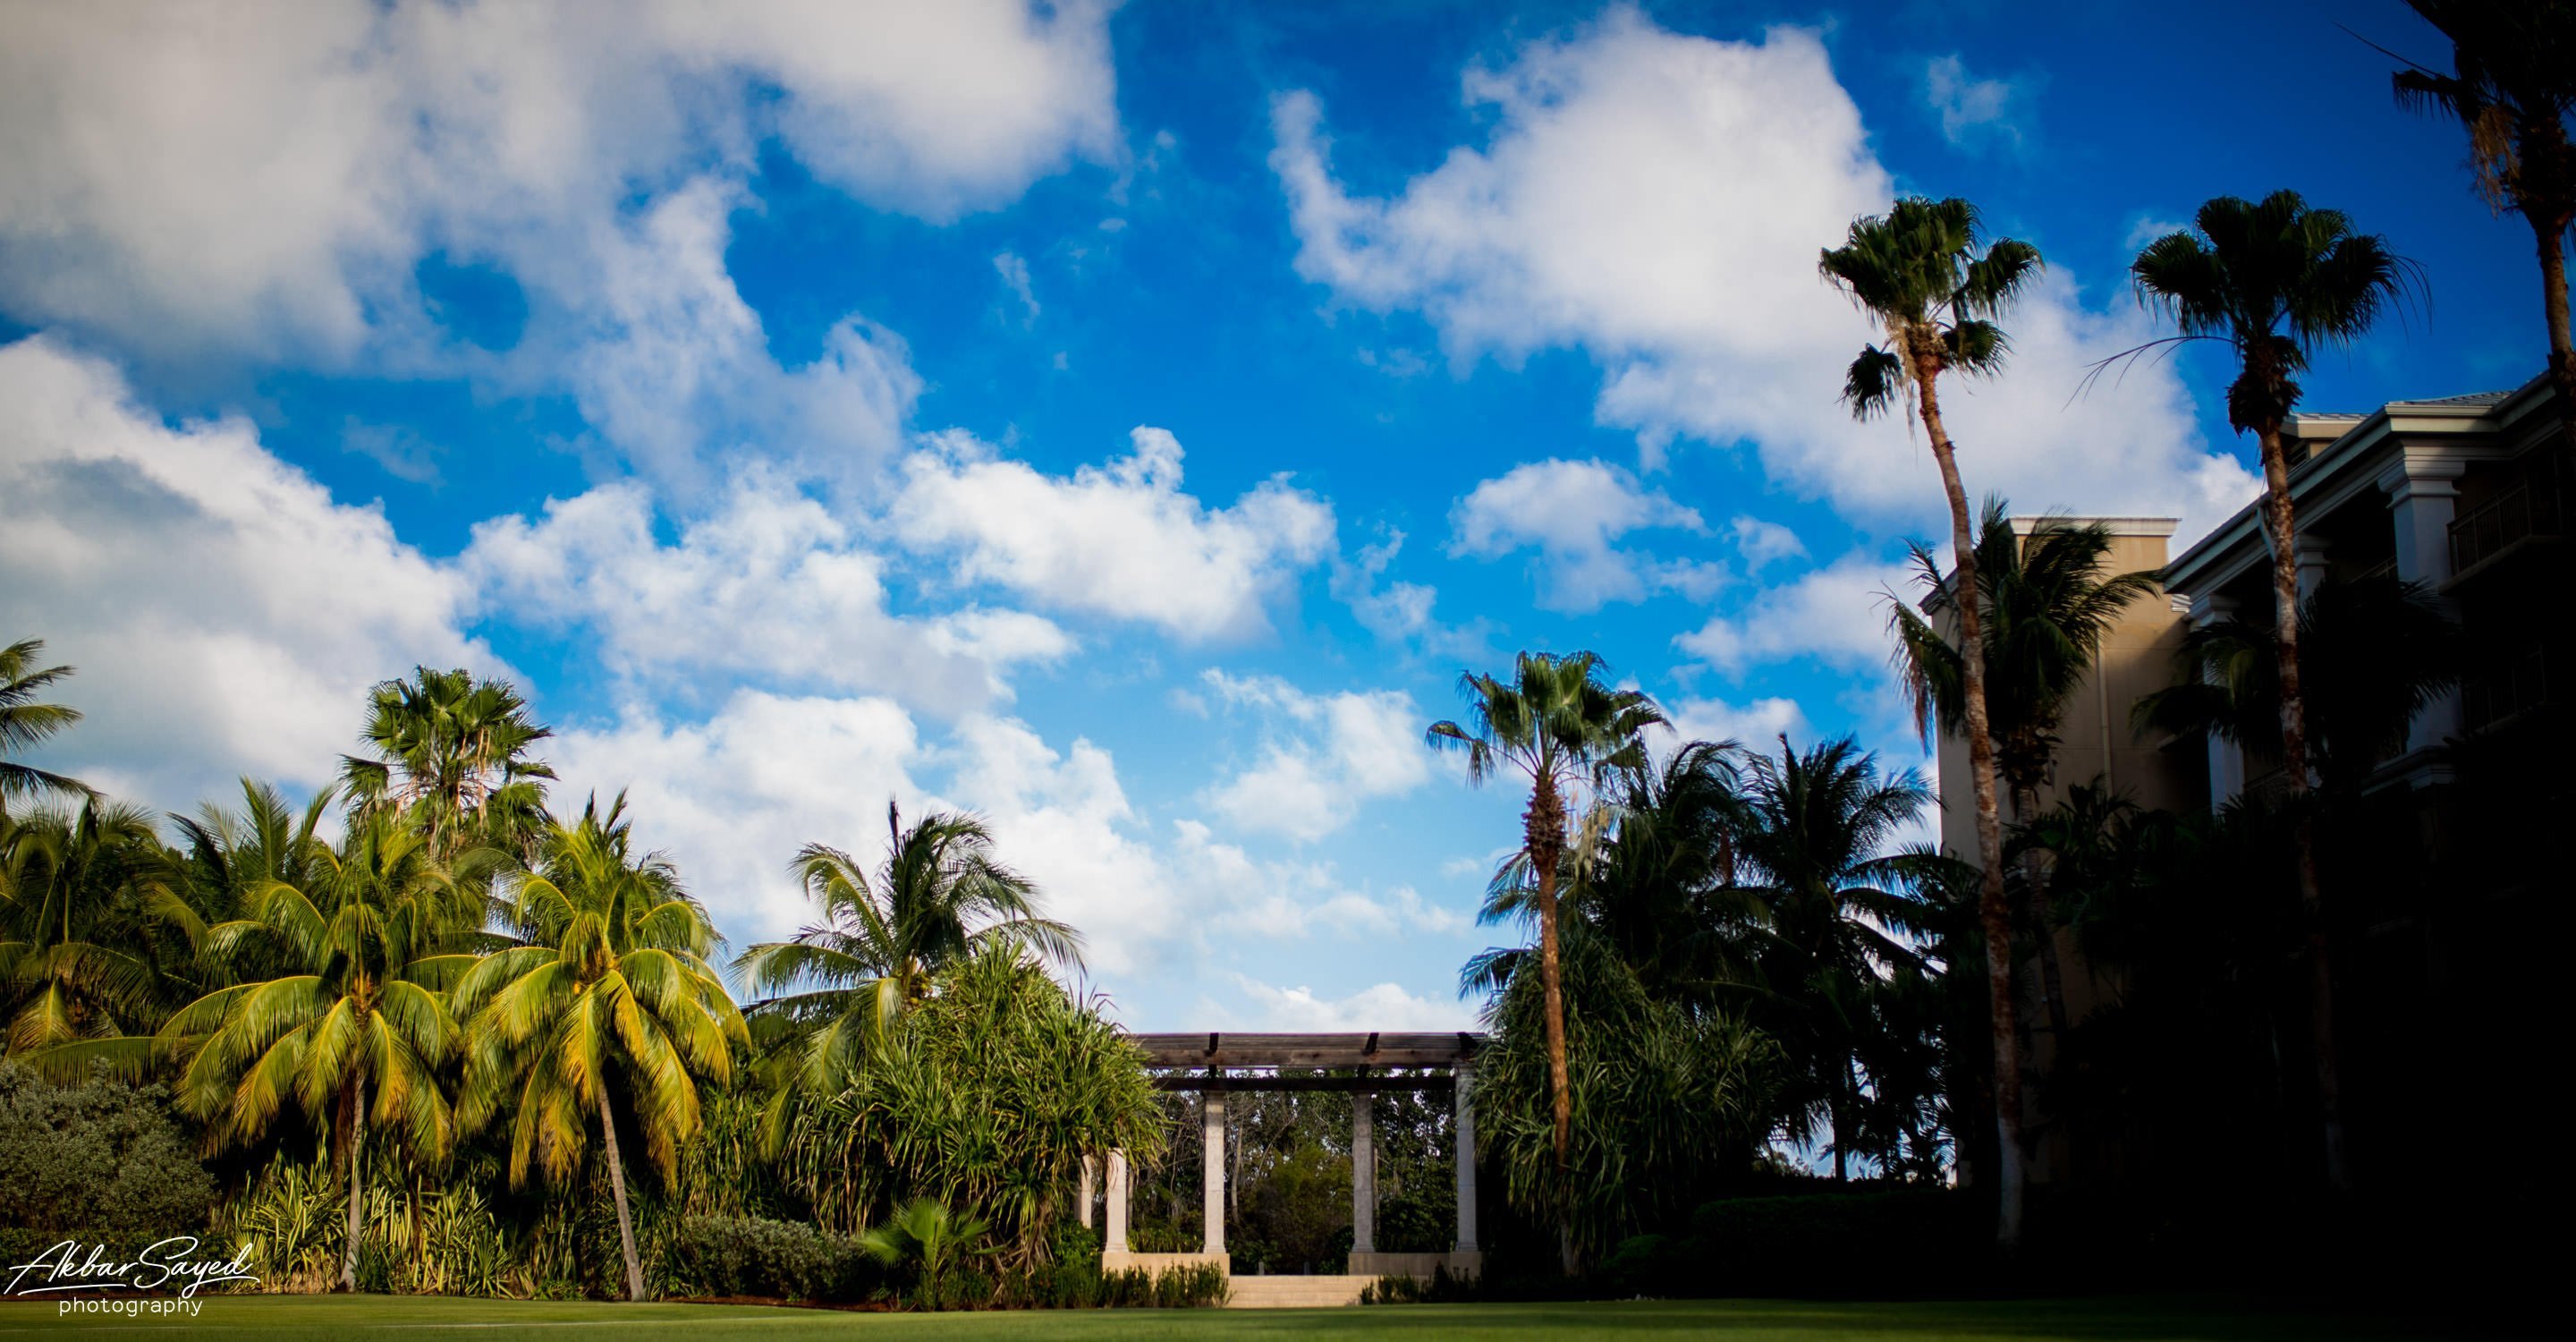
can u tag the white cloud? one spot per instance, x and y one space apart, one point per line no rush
1384 1006
1015 277
1972 111
1755 725
1765 543
673 367
1119 539
770 584
1322 756
1274 901
1658 200
1572 513
225 614
1836 615
266 174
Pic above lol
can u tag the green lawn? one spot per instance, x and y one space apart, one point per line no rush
340 1318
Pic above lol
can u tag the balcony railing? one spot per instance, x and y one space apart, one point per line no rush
2535 507
2508 686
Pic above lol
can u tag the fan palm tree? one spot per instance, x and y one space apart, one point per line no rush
355 1032
611 991
2275 280
2512 85
1920 272
1829 920
457 748
1555 722
25 723
938 897
2048 605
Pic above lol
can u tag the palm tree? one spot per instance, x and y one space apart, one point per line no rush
938 897
457 748
1557 723
355 1032
81 955
2274 280
1920 272
2048 606
611 991
1830 917
25 723
2512 85
2393 650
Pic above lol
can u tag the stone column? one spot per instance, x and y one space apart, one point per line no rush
1363 1172
1082 1191
1212 1168
2423 497
1466 1134
2311 555
2226 762
1117 1239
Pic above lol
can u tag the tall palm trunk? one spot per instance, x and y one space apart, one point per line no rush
2283 533
2034 870
1543 828
353 1101
2548 231
1994 914
617 1186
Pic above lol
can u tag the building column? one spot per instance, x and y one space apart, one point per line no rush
2226 762
1363 1172
2310 554
2423 497
1082 1195
1465 1129
1212 1168
1117 1239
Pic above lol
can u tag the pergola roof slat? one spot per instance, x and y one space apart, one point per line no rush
1227 1049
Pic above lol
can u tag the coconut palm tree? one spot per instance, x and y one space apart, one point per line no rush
1830 919
2275 280
81 956
1555 722
1921 273
938 896
25 723
610 993
2048 605
457 748
2512 86
356 1030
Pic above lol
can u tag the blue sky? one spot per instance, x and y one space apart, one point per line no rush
1122 422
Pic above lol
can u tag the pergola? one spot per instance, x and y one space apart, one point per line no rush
1217 1062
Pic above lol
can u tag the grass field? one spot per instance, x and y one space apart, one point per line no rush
2158 1319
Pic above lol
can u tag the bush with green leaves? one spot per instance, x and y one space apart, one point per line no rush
986 1096
103 1158
1917 1241
1668 1103
752 1256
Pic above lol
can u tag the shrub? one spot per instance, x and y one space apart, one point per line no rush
750 1256
1916 1241
104 1158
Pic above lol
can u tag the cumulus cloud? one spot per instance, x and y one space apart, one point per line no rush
1322 756
1765 543
1120 539
1835 615
225 614
1573 513
266 181
1384 1006
769 583
1755 725
1658 200
270 172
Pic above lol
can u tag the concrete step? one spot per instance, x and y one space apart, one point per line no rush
1294 1292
